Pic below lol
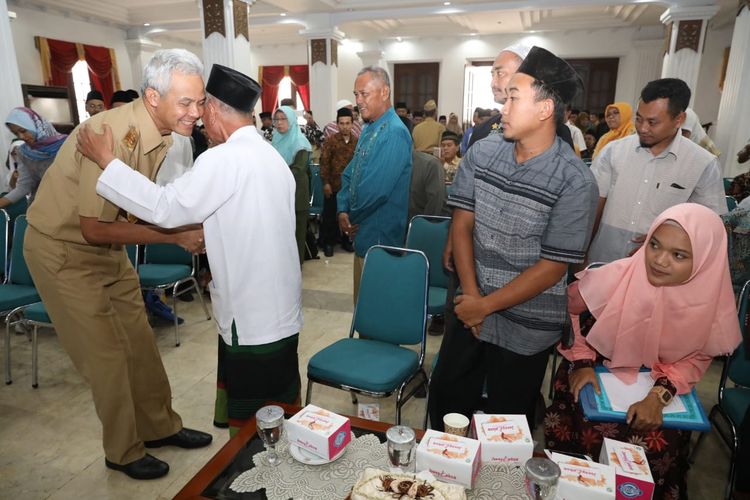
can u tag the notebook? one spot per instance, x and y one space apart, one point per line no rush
684 412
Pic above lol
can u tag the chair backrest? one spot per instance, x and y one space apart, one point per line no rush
132 251
392 302
739 363
316 190
731 203
18 273
429 234
166 253
17 208
4 232
727 183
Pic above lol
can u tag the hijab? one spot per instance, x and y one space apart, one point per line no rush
453 125
47 140
697 134
625 129
638 324
291 141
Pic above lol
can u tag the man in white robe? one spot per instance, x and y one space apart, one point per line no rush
243 193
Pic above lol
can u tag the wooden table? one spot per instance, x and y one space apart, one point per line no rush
224 458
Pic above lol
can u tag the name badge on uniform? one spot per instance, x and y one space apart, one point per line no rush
131 138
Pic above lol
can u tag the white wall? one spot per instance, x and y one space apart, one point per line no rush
453 53
31 23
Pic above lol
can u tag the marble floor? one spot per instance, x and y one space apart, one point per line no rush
50 437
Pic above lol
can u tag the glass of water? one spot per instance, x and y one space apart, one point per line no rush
401 441
270 423
542 476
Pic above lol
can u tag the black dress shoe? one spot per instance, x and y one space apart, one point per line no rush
328 251
148 467
185 438
346 245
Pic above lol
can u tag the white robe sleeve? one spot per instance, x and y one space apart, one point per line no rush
190 199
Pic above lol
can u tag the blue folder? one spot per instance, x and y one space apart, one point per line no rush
597 408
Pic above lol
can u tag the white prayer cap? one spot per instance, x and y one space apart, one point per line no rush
518 49
343 103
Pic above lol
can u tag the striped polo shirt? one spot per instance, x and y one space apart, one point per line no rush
542 208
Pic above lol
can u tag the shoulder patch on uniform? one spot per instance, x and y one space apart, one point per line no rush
131 138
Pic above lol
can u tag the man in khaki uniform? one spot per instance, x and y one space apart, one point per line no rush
74 251
427 134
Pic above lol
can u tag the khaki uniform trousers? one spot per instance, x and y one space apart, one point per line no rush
93 297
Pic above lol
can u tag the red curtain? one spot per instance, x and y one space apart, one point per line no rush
100 70
300 76
63 56
270 78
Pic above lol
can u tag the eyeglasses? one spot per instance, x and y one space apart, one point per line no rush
277 120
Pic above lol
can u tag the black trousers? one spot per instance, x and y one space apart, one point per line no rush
465 363
329 224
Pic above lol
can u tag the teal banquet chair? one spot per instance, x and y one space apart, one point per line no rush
391 312
168 266
18 289
734 394
429 234
731 202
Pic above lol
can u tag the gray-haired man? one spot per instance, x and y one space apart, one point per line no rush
74 251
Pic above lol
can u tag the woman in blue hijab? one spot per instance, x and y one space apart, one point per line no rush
41 144
294 147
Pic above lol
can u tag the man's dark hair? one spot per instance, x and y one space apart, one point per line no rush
418 113
478 110
287 102
575 111
674 90
541 93
309 111
484 112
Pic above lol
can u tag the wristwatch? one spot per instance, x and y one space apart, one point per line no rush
663 394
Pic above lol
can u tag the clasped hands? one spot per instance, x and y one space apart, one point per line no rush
471 309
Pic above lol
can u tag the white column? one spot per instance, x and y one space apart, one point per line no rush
733 127
140 51
685 38
322 57
641 65
10 84
226 38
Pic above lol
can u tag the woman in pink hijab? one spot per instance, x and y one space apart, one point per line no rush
670 308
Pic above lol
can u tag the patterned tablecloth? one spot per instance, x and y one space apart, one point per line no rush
292 479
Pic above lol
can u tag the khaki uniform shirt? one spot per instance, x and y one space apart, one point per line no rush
427 135
68 189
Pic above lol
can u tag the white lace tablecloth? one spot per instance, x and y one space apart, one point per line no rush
292 479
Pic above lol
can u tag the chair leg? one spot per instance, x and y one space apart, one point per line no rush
732 470
176 319
551 393
354 397
34 358
200 298
308 393
8 378
426 401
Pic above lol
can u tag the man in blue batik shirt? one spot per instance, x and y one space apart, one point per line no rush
374 198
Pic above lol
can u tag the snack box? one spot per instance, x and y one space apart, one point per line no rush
632 473
453 459
504 438
583 480
321 432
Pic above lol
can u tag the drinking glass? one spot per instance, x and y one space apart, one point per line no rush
270 424
542 475
401 441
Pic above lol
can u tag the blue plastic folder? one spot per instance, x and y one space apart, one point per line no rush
598 408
